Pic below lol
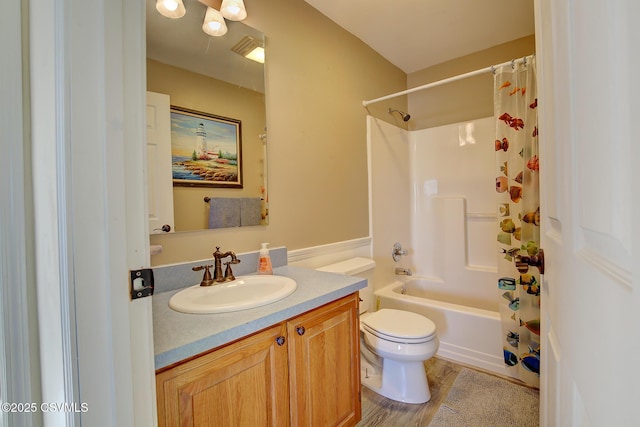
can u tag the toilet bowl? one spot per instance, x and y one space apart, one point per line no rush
394 343
402 342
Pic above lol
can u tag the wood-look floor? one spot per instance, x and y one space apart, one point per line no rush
380 411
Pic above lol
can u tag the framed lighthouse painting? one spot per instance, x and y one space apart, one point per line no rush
206 150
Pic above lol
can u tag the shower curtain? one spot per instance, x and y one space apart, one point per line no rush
517 169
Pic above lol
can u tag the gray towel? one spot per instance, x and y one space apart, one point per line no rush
224 212
250 211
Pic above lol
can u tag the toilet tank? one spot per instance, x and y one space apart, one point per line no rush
358 267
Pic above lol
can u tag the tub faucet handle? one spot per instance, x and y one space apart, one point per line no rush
397 251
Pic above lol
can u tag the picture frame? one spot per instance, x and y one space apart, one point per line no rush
206 149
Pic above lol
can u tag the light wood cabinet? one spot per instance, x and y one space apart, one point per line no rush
324 365
243 383
302 372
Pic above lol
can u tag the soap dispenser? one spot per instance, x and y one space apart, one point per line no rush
264 262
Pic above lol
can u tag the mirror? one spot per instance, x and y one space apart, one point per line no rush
210 77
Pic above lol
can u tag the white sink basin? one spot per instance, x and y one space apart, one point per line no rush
243 293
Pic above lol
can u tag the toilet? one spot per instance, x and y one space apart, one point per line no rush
394 344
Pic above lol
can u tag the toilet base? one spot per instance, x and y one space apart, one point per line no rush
401 381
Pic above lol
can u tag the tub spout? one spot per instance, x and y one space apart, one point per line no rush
401 271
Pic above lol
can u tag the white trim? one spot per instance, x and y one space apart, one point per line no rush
141 353
19 378
316 256
48 131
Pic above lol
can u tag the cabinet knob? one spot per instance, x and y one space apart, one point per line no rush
300 330
280 340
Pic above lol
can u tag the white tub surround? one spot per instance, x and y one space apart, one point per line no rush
437 198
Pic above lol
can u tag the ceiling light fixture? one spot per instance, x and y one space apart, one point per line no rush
233 10
217 11
171 8
214 24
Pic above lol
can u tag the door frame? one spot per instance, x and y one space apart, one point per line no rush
19 362
87 97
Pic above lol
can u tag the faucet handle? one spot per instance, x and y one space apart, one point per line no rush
228 274
206 278
397 251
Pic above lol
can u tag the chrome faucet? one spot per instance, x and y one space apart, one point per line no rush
401 271
397 251
218 256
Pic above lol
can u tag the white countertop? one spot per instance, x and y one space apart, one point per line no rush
178 336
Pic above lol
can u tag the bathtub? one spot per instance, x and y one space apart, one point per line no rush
469 335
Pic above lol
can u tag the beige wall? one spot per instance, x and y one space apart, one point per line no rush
317 76
466 99
193 91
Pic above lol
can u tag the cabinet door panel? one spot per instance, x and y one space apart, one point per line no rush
324 365
244 383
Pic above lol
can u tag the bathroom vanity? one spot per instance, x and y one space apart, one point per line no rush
297 365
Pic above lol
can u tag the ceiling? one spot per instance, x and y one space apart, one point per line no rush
412 34
416 34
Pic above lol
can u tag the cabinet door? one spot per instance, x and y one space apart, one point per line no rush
324 365
242 384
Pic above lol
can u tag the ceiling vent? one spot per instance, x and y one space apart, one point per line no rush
249 48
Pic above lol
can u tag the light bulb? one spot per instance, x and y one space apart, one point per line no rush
233 10
171 8
171 5
214 24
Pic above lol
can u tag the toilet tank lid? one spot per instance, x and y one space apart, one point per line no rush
350 266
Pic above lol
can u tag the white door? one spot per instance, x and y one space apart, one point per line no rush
159 174
86 99
589 307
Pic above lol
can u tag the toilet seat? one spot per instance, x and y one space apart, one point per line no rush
399 326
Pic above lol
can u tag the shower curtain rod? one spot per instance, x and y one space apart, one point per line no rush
490 69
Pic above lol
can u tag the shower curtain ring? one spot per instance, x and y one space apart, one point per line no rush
493 69
524 61
513 64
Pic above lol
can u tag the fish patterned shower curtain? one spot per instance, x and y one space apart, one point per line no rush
517 170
